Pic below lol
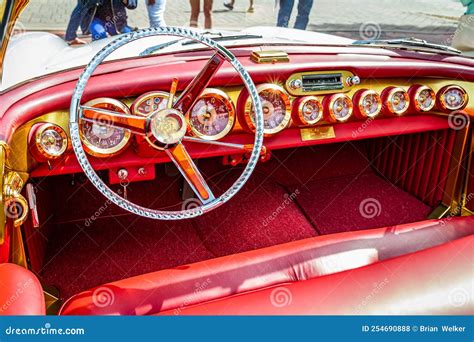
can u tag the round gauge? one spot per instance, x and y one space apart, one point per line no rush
307 110
424 97
396 100
452 97
339 108
368 103
276 107
212 116
101 139
47 141
150 102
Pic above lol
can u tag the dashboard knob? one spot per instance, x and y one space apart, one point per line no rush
353 80
122 174
296 84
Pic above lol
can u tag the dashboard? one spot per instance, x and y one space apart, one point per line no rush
304 109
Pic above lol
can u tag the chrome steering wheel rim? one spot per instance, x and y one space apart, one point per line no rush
87 167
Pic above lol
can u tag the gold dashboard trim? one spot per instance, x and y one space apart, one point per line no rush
317 133
261 57
298 77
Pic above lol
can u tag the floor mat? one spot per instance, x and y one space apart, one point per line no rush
350 202
80 257
262 214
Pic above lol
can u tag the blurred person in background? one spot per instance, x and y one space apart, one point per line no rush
79 17
196 9
230 5
463 38
302 19
109 17
156 12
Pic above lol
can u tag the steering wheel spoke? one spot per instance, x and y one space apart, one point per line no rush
192 92
190 172
136 124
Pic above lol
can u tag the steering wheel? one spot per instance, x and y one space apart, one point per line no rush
166 129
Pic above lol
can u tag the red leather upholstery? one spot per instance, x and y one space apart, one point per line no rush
174 289
436 281
20 292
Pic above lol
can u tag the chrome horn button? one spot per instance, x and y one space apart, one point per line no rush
168 126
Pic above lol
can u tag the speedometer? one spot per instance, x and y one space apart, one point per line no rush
213 115
101 139
276 107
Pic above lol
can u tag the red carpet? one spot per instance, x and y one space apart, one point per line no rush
354 203
297 194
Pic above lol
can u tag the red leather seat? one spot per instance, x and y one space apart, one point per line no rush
308 269
20 292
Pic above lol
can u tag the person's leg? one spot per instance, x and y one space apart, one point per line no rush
230 4
98 29
74 22
251 9
284 14
156 13
195 9
208 14
304 9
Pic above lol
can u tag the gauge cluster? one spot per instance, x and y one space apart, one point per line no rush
218 112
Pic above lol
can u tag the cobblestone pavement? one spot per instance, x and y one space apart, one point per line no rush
357 19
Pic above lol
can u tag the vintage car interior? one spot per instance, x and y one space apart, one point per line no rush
251 178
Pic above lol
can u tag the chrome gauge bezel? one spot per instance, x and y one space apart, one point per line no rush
389 100
40 150
416 98
286 99
298 114
332 101
222 96
442 101
360 103
101 152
